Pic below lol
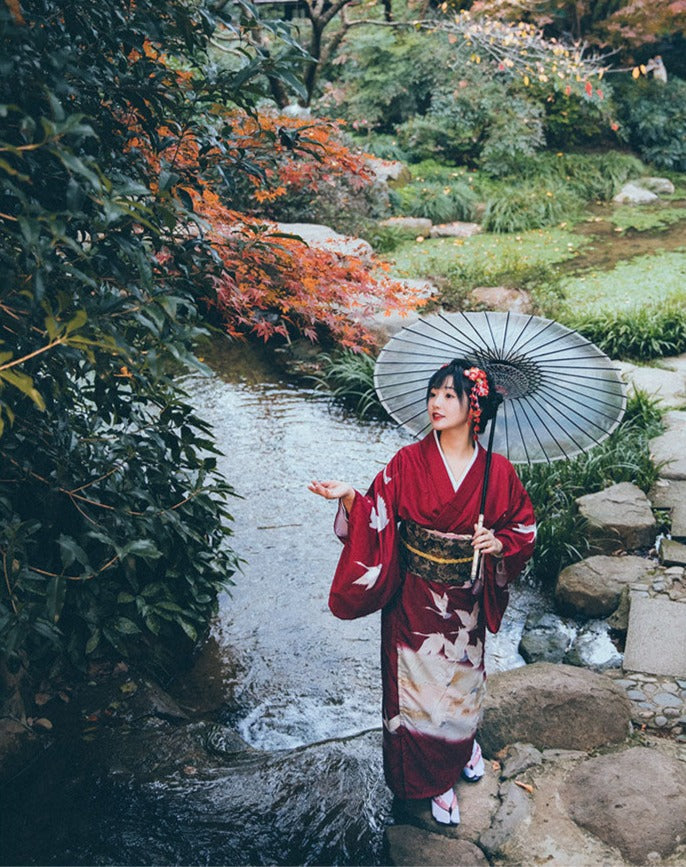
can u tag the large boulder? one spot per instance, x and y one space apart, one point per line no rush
411 846
553 706
632 194
618 517
325 238
545 638
660 186
388 171
634 800
592 587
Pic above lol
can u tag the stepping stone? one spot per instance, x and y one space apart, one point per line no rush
655 638
667 493
502 298
669 387
325 238
455 230
679 520
618 517
412 225
669 448
672 553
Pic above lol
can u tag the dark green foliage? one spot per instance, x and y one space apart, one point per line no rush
350 378
530 206
641 333
553 488
438 202
113 520
653 120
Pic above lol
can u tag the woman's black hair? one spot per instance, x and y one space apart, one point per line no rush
462 385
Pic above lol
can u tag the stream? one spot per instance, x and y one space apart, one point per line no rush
280 762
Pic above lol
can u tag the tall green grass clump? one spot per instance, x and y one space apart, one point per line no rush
623 457
592 177
639 334
530 205
349 376
440 203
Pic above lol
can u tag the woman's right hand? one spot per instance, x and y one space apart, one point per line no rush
334 490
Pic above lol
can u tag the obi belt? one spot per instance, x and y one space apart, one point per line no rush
436 556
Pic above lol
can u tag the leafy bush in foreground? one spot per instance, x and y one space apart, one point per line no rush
623 457
639 333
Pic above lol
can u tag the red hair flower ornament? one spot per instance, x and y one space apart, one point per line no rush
479 389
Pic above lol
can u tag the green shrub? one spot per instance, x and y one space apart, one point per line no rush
385 147
441 204
640 333
538 278
385 239
530 206
593 177
622 457
653 118
387 78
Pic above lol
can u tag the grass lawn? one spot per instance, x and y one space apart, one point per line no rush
644 280
489 253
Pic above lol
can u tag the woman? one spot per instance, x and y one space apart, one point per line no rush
408 550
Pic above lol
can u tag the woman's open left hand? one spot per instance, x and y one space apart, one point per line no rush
485 541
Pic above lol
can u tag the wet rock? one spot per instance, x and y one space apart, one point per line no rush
411 846
592 587
634 800
514 811
556 706
416 226
478 804
592 648
325 238
632 194
679 520
455 230
672 553
501 298
518 758
618 517
545 638
668 448
619 619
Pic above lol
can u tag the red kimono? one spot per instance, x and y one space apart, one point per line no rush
433 633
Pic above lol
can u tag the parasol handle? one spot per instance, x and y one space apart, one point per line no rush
487 473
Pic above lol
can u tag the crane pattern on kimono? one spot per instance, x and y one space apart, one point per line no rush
378 519
459 650
368 578
468 619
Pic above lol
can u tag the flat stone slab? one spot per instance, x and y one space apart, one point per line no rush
679 520
670 448
668 386
418 226
455 230
655 638
667 493
672 553
619 516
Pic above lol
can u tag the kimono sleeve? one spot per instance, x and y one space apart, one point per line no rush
517 532
368 576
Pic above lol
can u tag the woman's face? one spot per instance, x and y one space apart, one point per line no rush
447 410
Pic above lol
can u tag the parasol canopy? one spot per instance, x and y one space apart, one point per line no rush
561 394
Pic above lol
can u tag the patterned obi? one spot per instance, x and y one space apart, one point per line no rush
435 556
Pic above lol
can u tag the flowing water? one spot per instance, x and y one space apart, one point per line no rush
301 688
